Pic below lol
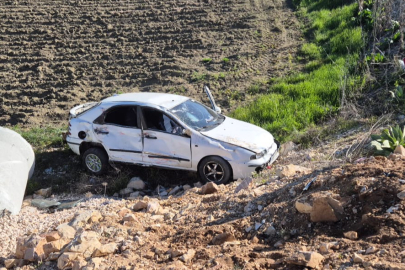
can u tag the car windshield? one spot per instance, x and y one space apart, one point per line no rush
197 116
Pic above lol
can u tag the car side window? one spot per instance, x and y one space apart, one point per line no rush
157 120
122 116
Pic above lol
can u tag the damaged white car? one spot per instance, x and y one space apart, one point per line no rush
168 131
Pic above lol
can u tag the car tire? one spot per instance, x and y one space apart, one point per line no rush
214 169
95 160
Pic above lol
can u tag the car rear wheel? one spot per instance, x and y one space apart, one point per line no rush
215 169
96 161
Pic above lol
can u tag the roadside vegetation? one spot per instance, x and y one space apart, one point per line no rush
302 100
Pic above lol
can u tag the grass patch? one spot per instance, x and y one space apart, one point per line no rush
206 60
302 100
41 138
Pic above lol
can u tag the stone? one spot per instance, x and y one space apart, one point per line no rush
400 150
20 249
326 209
303 207
286 148
87 236
174 190
134 195
168 216
126 191
10 263
248 229
86 248
136 183
30 255
34 248
222 238
324 248
79 264
173 253
129 217
279 244
66 260
245 184
352 235
291 170
209 188
357 258
85 217
123 212
401 195
257 225
140 205
106 249
371 250
153 207
66 231
44 192
270 231
51 236
197 185
54 246
187 257
309 259
186 187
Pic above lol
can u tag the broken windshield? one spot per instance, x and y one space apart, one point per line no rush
197 116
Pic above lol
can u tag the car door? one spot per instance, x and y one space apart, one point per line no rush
118 130
212 100
163 139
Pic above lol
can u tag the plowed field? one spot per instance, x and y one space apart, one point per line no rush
60 53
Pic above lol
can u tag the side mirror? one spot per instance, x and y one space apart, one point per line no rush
218 109
187 132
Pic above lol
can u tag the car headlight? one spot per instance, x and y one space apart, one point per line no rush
259 155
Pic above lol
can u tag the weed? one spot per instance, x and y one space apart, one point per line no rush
198 76
206 60
41 138
225 60
389 139
218 76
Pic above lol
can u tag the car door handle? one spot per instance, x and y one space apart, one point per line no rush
100 131
150 137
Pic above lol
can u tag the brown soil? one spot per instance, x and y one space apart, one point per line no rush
368 189
57 54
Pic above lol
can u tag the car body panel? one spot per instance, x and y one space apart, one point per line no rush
166 149
242 134
121 143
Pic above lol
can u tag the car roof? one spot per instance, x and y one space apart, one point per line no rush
167 101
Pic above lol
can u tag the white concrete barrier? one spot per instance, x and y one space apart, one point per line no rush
17 162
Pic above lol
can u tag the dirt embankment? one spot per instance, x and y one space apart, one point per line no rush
259 227
56 54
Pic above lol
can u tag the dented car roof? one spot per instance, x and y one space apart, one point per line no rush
167 101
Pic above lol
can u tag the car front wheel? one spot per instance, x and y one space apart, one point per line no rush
214 169
96 161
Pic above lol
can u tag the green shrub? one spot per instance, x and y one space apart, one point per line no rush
389 139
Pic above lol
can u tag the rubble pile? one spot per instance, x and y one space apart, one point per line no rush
351 215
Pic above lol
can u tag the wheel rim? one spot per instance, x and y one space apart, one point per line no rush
93 162
213 171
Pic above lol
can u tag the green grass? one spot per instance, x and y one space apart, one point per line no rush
41 138
206 60
302 100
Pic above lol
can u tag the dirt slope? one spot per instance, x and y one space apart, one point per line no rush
56 54
230 230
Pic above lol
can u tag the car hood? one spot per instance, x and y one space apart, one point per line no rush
241 134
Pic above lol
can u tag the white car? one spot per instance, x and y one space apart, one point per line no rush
168 131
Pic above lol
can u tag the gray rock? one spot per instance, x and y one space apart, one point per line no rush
136 183
270 231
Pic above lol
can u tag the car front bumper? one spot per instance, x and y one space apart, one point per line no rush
243 170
